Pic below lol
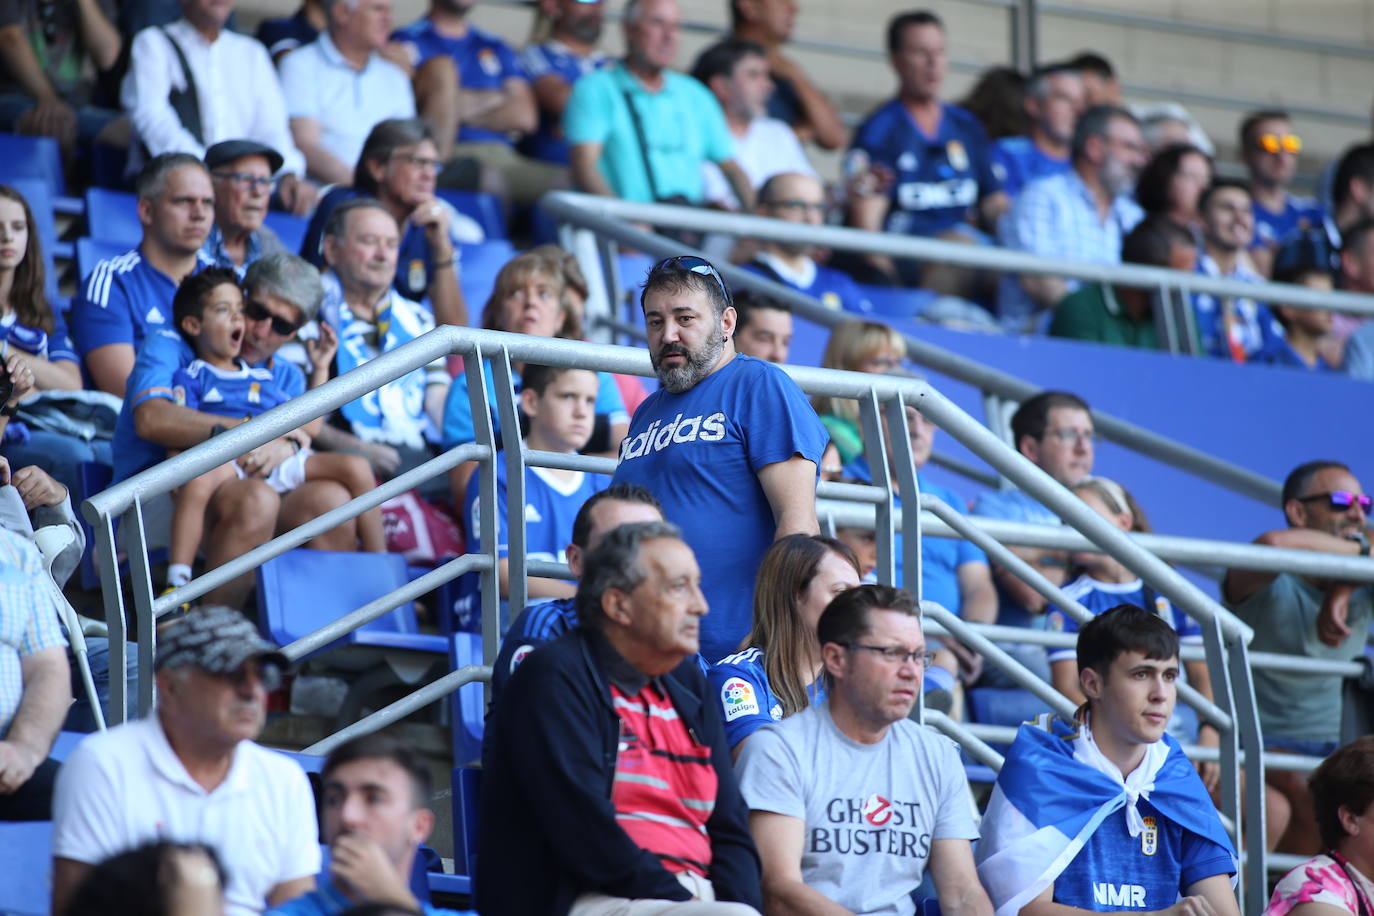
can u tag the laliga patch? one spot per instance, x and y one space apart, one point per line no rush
519 656
877 810
1149 837
737 698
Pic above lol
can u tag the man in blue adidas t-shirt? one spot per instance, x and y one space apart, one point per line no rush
728 444
561 406
470 85
1054 100
1112 784
126 297
920 166
608 509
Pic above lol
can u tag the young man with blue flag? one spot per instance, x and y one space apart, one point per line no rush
1105 813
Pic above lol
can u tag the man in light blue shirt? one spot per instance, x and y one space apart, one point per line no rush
640 130
374 809
1080 215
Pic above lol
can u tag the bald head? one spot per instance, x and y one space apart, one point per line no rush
796 198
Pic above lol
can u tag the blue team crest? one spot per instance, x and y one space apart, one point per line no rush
907 161
255 393
489 62
958 156
415 274
1149 837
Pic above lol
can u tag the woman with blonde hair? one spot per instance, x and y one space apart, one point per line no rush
527 298
857 346
776 671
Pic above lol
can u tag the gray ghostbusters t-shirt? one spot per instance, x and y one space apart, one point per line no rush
871 811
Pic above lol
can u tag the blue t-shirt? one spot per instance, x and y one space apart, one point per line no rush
553 58
1115 871
123 299
551 505
483 60
155 366
1015 506
937 178
244 392
700 453
286 34
1298 213
940 557
531 628
327 900
1277 351
1252 327
1099 597
835 288
458 410
740 683
1017 161
54 347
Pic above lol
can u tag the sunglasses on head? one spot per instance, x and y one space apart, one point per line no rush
1279 143
1341 499
256 311
693 264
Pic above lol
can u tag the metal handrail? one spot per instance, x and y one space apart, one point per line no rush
585 215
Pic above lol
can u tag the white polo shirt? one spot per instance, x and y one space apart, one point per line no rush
322 85
126 787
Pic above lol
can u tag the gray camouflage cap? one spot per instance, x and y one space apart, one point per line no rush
215 639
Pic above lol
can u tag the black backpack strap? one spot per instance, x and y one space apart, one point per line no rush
643 143
185 102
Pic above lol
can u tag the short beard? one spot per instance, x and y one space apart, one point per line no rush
584 30
699 364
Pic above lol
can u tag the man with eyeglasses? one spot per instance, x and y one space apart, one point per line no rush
795 197
849 801
191 772
1327 511
1270 151
728 443
194 83
241 173
1082 214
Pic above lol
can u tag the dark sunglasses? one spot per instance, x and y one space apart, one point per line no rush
693 264
1341 499
256 311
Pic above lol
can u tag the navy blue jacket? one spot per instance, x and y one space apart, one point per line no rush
547 829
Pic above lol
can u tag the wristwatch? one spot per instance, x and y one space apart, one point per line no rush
1363 541
9 410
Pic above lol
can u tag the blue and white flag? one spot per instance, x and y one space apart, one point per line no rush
1056 788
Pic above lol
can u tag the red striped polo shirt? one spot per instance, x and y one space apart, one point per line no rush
665 784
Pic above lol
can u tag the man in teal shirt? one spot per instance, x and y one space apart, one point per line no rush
640 130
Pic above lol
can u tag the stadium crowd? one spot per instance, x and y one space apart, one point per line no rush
715 715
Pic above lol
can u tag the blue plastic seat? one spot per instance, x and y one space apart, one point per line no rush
27 156
91 478
302 590
467 704
288 227
467 784
483 208
896 302
112 216
26 850
482 261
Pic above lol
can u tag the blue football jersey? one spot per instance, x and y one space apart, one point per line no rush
1017 161
1099 597
243 392
740 684
938 178
484 61
121 301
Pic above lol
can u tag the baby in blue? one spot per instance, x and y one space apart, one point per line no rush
208 309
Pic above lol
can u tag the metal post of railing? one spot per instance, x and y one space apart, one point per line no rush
904 467
107 559
1024 25
490 581
875 450
1252 739
503 380
145 622
1229 747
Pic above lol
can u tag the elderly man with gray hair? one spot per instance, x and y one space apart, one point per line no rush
191 772
281 293
604 732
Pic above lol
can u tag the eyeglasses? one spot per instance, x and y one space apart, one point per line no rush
896 654
268 675
880 365
420 162
1279 143
1071 436
803 206
693 264
254 310
247 180
1341 500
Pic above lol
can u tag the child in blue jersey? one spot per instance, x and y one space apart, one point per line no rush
561 407
1104 583
1104 813
209 311
776 672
